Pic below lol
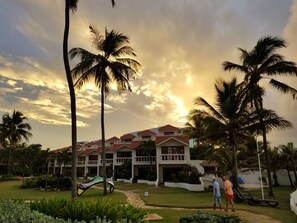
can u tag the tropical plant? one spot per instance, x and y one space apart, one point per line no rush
231 122
111 64
262 62
288 153
274 156
148 148
14 130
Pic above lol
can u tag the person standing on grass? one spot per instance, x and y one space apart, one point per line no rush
216 194
229 193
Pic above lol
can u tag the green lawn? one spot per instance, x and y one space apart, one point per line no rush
174 197
12 190
159 196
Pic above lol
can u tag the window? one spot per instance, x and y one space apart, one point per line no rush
172 150
168 133
93 157
124 154
81 158
108 155
146 137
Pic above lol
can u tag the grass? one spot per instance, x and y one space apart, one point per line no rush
12 190
175 197
159 196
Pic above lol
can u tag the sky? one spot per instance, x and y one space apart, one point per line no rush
180 44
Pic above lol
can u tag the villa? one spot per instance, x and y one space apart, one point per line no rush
170 153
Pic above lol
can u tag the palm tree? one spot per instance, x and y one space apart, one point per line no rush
112 63
148 148
71 5
231 121
262 62
14 130
288 152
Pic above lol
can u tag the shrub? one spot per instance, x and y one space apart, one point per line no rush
19 212
86 211
54 182
189 174
6 177
201 217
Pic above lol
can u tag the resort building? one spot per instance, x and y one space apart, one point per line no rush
152 154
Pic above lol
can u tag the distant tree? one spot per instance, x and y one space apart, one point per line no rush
14 129
262 63
288 153
112 63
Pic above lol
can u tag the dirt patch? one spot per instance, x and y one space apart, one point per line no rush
153 217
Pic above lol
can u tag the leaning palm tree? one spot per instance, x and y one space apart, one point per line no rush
231 121
262 62
14 130
111 64
71 5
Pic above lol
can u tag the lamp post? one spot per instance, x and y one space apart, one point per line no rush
260 169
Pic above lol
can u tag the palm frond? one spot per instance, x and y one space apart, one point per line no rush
283 87
282 68
123 51
229 66
212 110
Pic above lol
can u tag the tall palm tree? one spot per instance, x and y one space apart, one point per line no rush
14 130
71 5
111 64
231 121
262 62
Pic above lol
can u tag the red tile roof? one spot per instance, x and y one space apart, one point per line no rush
119 146
132 145
88 151
113 139
168 128
181 139
128 136
95 142
146 133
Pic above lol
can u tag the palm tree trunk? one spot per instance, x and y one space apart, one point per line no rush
276 183
235 163
72 100
103 139
9 160
294 171
290 178
263 128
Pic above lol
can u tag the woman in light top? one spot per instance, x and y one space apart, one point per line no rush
229 193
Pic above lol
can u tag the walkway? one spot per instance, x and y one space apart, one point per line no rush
249 217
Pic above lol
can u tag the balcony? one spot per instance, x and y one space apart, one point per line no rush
173 158
144 160
92 162
121 160
107 161
81 163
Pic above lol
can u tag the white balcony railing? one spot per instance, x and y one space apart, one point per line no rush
108 161
81 163
93 162
173 158
144 159
123 159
